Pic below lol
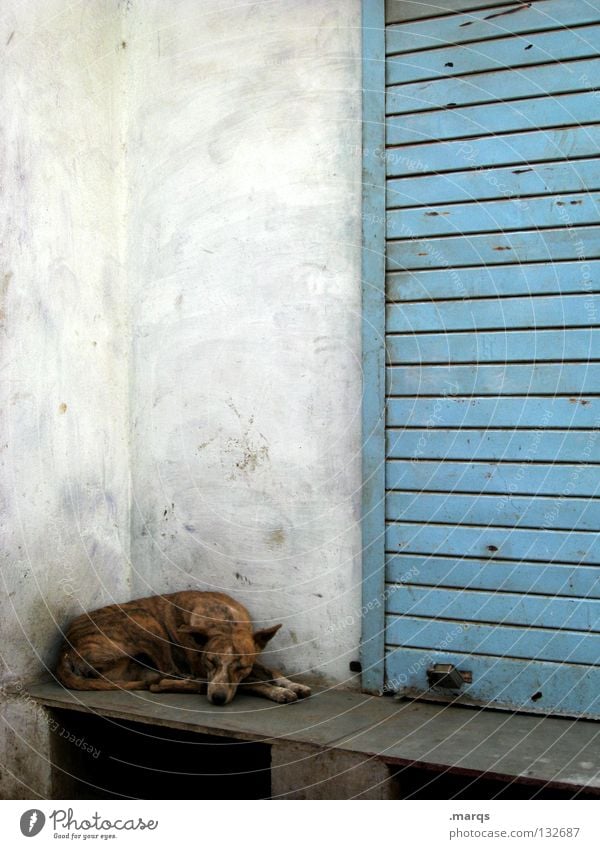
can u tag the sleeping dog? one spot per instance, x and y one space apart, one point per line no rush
191 642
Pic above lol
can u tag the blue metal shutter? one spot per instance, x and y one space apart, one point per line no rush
493 349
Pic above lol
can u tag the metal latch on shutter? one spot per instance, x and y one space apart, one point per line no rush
448 676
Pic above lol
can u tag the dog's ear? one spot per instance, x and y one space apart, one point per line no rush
262 637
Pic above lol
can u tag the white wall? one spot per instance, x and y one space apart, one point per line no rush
64 478
180 279
244 234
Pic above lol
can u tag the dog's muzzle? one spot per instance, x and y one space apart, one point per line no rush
219 694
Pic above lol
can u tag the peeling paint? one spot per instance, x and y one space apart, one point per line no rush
251 445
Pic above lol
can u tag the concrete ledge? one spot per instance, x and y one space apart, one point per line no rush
367 733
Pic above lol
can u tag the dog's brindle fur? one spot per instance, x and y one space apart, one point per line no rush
192 642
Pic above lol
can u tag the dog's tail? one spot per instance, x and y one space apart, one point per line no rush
75 673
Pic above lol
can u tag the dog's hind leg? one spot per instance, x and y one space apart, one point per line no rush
78 682
178 685
69 673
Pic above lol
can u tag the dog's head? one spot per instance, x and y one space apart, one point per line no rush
227 657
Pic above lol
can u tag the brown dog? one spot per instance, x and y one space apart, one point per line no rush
189 642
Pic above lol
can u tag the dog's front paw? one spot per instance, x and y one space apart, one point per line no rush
301 690
282 695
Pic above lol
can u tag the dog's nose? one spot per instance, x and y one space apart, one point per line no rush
218 698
